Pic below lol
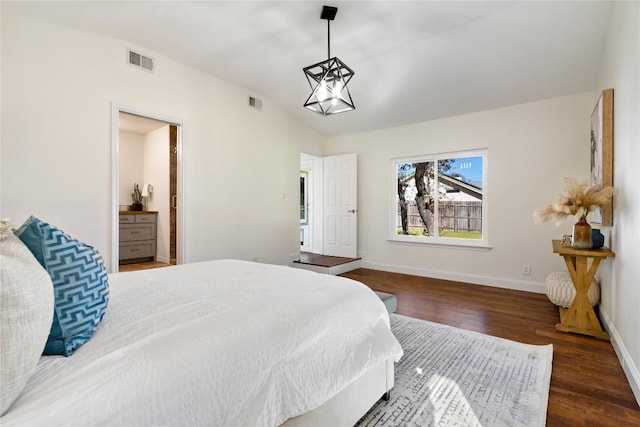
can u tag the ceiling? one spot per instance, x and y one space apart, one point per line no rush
414 61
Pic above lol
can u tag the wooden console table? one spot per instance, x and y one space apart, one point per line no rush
580 317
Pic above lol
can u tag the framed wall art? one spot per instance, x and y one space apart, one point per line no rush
602 153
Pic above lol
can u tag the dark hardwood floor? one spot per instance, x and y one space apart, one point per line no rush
588 386
145 265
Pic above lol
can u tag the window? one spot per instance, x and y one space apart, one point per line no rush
439 199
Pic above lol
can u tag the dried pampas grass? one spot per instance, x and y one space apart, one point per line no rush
577 200
5 228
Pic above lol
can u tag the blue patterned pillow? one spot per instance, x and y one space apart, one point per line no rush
80 284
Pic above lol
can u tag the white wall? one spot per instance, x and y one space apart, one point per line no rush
131 164
241 166
620 277
156 173
531 148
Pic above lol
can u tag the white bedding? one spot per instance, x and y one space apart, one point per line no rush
218 343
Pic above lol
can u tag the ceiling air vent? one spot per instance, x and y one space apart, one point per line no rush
140 60
255 103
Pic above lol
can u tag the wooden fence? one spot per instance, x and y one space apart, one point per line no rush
454 215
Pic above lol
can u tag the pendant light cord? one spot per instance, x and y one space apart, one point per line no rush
328 39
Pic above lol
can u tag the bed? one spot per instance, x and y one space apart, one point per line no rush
222 342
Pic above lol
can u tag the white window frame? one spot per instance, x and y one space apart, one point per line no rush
437 240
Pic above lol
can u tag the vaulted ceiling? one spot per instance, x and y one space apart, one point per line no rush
413 60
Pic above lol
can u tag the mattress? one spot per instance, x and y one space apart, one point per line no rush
223 342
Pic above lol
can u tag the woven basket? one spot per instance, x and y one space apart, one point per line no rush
561 292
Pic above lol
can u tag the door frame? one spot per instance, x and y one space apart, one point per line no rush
116 109
316 197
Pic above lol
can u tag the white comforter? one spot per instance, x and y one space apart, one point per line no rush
214 343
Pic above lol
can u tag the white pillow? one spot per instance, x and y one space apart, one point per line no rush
26 315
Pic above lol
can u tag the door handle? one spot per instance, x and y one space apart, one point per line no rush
352 211
174 201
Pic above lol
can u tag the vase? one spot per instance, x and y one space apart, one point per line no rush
597 238
581 236
136 207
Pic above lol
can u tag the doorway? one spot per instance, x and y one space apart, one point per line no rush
310 203
328 214
146 152
328 205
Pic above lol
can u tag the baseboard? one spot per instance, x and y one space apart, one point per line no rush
497 282
629 368
162 259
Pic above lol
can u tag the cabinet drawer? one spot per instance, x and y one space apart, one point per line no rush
145 218
134 232
127 219
130 250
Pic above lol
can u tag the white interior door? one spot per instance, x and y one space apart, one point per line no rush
341 205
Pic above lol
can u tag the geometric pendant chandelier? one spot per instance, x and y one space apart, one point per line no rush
329 79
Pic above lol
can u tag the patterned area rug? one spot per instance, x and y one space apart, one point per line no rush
452 377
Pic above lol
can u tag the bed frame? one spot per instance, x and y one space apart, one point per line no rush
348 406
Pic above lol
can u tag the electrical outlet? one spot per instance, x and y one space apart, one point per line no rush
526 270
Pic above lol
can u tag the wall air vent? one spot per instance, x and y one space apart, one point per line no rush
255 103
138 60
